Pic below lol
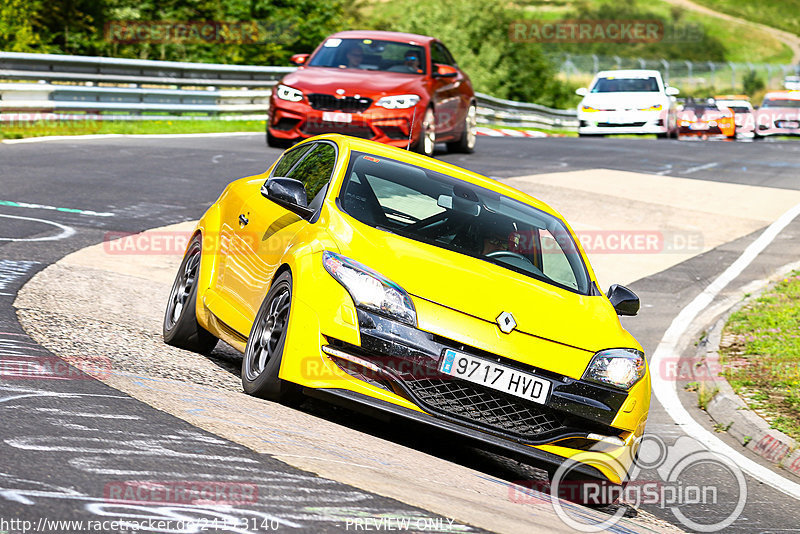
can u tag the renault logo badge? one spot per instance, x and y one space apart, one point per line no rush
506 322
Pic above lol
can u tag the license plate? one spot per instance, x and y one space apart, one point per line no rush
332 116
787 124
494 375
698 126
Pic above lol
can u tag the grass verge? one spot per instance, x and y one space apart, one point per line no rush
89 127
760 353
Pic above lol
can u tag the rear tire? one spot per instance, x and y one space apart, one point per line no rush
180 327
469 136
264 351
276 142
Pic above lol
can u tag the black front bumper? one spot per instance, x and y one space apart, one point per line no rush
405 360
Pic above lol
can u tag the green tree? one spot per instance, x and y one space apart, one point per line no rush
18 22
476 32
752 82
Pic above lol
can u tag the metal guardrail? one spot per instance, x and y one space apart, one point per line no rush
129 88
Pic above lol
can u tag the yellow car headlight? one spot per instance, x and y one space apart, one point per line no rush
657 107
588 108
369 289
620 368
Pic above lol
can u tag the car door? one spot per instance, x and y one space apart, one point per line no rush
447 94
265 229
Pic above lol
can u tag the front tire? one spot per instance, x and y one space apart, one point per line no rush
427 135
469 136
264 351
181 328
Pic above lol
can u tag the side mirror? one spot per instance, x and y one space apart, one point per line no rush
624 300
299 59
672 91
444 71
582 91
289 193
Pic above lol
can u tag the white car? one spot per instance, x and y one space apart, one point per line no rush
628 102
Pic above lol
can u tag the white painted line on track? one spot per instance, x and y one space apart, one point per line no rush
116 136
666 390
66 231
700 168
55 208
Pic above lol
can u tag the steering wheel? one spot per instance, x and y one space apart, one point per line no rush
510 255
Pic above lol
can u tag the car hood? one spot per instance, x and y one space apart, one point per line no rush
362 82
624 100
484 290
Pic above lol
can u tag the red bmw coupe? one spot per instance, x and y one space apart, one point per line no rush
400 89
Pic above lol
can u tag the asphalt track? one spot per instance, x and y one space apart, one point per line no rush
54 456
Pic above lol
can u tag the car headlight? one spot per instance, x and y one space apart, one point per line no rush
657 107
712 123
369 289
284 92
588 108
398 101
620 368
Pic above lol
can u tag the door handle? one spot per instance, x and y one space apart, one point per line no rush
243 220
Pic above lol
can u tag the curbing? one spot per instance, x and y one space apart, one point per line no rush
726 408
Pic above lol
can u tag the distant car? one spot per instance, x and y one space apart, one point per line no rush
791 83
374 85
743 114
779 114
628 102
705 118
366 274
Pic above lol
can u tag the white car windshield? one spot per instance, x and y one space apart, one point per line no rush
781 103
626 85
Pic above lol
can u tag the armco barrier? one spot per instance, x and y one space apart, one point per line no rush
129 88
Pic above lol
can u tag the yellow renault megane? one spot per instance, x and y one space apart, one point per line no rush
356 270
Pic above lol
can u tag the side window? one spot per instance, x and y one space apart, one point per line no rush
315 169
450 60
439 54
289 159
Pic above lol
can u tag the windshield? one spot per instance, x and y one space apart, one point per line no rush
781 103
371 54
443 211
625 85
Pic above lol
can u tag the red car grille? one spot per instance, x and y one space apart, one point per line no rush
347 104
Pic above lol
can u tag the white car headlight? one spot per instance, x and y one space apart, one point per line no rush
284 92
398 101
369 289
620 368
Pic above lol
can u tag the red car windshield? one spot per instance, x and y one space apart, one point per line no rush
370 54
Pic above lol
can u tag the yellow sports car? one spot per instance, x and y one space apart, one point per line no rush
361 271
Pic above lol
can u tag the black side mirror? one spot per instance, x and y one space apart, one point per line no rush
289 193
624 300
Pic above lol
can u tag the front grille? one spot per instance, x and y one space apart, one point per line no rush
620 125
347 104
484 407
